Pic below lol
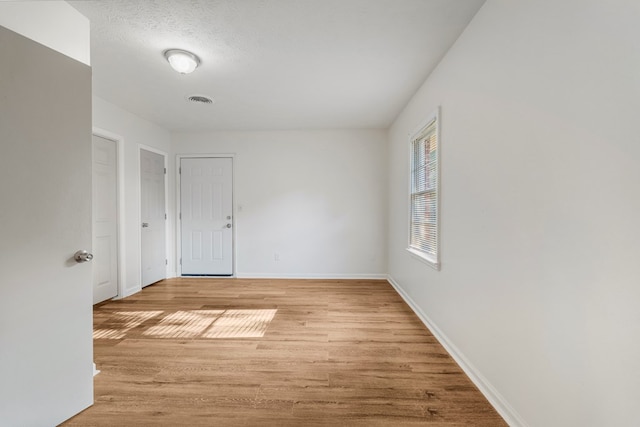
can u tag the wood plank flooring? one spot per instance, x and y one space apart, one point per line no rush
336 353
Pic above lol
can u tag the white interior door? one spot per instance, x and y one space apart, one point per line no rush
153 215
105 220
206 204
46 347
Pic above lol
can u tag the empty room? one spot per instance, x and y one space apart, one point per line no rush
319 213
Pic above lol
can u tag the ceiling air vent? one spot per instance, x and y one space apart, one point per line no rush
200 99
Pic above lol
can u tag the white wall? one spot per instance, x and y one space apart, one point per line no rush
539 288
133 131
317 198
54 24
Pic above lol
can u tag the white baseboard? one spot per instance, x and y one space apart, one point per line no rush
95 371
128 293
311 276
493 396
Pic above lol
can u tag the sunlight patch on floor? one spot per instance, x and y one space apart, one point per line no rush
210 324
241 324
184 324
122 323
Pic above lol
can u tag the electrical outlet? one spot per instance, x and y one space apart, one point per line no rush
276 256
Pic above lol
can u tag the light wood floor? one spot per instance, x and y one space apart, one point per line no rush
336 353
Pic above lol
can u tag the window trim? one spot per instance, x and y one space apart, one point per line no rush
430 260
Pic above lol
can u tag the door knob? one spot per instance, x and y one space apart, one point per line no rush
145 224
82 256
228 225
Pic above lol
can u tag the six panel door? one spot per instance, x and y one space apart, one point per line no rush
206 216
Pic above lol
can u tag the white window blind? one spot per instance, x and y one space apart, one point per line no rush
423 238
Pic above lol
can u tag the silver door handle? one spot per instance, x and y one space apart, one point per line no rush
228 225
145 224
82 256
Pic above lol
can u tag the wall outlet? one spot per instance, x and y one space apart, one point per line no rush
276 256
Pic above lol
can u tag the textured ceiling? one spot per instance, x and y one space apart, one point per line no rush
270 64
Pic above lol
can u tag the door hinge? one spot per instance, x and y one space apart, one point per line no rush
180 170
166 262
165 171
180 261
165 216
180 215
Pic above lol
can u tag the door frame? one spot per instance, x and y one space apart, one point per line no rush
167 244
234 211
119 141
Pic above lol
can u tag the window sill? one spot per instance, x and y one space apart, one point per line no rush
424 258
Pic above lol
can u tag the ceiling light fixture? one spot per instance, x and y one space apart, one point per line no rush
182 61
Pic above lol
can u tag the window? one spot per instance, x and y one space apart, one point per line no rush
423 221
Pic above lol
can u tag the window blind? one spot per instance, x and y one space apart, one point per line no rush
424 192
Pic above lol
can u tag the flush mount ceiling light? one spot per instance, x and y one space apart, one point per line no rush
182 61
